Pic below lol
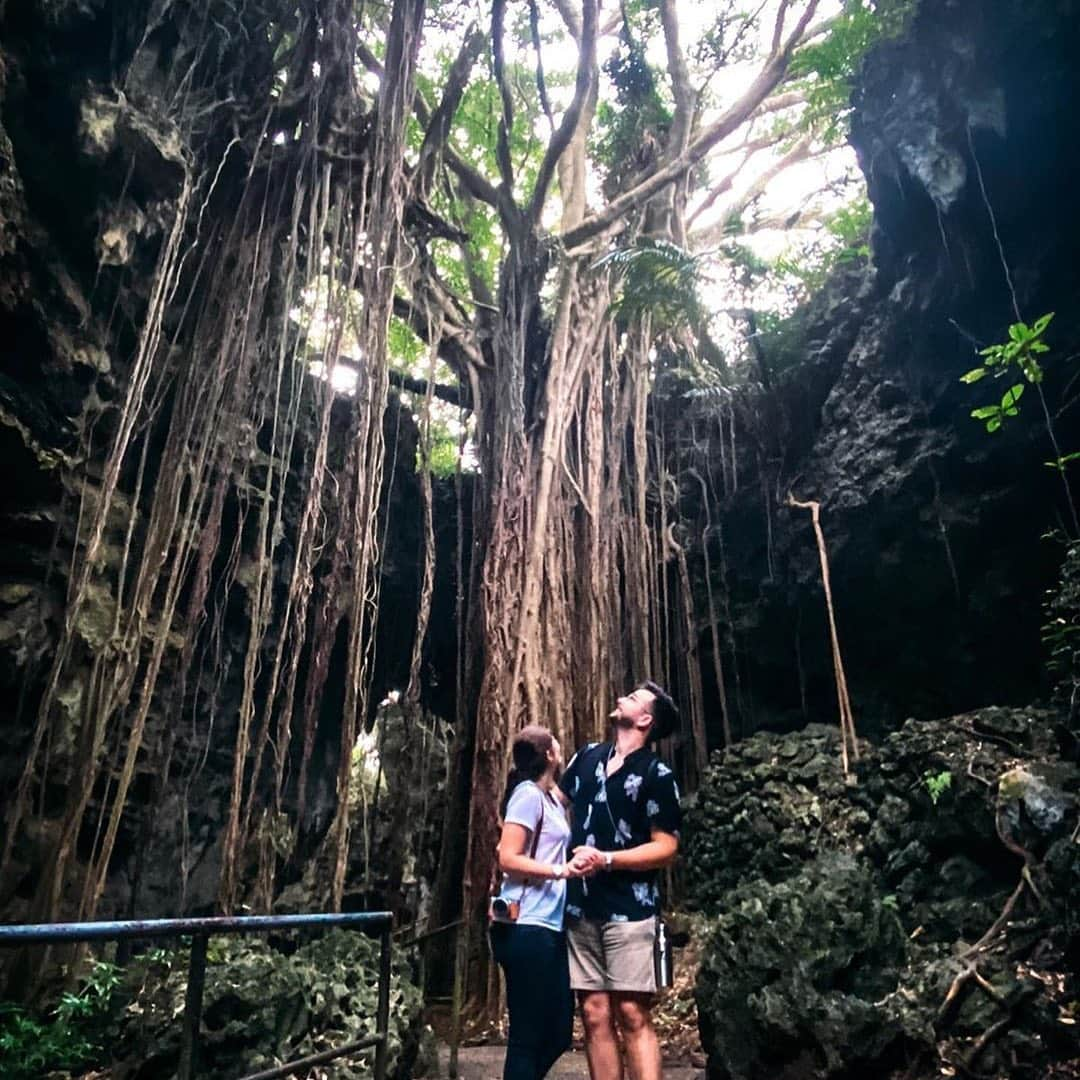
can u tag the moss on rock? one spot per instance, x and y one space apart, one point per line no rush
264 1005
842 915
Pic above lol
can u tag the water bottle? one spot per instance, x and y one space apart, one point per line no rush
663 968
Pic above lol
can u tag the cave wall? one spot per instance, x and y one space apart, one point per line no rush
88 175
964 125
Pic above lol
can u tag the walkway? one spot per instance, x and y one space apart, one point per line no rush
485 1063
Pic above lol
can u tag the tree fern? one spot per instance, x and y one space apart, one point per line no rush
660 279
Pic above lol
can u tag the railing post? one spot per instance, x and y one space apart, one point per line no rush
461 960
382 1021
196 981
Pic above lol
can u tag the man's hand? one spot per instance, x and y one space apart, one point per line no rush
588 860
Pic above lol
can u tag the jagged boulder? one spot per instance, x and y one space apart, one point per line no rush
793 979
958 837
767 806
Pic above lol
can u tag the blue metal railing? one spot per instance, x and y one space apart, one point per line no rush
201 930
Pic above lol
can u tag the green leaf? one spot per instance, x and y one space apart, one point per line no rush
985 412
1042 323
993 423
1011 396
974 375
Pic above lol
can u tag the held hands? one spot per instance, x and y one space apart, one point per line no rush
586 861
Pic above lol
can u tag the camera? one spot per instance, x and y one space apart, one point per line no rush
503 910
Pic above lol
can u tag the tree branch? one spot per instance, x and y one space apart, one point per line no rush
685 99
681 90
541 86
573 20
450 394
453 347
765 82
782 101
778 28
477 186
749 148
712 233
506 121
438 126
561 138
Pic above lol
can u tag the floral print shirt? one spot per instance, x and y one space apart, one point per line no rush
615 813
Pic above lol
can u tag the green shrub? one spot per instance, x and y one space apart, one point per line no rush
68 1037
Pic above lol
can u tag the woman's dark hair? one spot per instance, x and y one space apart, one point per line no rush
529 754
663 711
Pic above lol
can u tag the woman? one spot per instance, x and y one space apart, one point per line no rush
527 936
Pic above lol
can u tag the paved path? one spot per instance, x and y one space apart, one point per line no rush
485 1063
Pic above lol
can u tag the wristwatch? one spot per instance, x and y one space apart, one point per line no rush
609 860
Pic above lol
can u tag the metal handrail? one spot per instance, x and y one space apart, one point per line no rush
202 930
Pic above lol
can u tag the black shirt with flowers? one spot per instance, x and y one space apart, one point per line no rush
616 813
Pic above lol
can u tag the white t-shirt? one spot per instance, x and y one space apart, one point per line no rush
542 900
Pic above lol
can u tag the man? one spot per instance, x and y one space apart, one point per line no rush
625 808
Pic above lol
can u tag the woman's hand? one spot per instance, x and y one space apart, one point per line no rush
587 860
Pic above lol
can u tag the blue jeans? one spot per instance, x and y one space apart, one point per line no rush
538 995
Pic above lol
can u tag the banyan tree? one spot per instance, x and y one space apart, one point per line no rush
278 194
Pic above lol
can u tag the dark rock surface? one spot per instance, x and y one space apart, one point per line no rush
843 913
89 178
964 125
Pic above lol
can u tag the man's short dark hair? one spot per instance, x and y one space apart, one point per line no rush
664 712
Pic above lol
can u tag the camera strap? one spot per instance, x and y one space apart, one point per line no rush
525 883
496 874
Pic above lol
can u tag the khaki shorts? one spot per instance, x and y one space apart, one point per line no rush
612 955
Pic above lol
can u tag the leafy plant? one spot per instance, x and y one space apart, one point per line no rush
851 226
1019 353
71 1037
937 784
443 456
635 124
995 415
658 278
827 68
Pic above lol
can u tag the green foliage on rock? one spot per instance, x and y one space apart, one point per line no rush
937 783
842 915
263 1006
826 68
69 1037
1017 355
802 967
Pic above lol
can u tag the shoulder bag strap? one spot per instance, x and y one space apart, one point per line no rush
525 883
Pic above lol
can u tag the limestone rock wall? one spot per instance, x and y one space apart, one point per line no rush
965 127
